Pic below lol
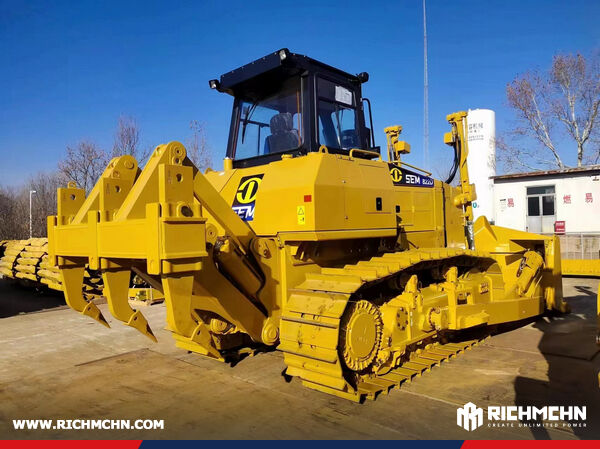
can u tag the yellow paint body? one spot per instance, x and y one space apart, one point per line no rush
357 269
581 267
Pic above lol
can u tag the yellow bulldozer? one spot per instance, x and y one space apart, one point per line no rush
364 272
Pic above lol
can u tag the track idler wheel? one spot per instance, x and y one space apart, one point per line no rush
360 335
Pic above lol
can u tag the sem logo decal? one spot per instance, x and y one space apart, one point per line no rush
245 196
403 177
396 174
469 417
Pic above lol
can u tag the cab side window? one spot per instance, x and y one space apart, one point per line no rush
337 116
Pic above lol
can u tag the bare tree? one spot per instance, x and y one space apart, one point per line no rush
595 157
198 150
14 206
127 140
83 163
563 102
440 169
44 200
14 211
516 157
578 80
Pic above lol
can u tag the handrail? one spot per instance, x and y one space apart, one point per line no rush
367 152
413 166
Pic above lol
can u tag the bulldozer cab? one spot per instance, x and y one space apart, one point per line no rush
292 104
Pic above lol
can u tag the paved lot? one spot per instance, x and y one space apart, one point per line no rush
61 365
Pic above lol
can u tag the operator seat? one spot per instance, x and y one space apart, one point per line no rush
283 135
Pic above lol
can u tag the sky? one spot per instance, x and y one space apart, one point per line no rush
68 70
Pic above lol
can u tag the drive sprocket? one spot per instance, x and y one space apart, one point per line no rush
360 335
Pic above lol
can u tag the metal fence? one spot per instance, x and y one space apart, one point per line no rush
580 246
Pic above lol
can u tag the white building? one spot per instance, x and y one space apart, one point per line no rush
535 201
563 201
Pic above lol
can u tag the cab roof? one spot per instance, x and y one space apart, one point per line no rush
251 79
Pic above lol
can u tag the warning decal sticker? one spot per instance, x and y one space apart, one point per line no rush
301 214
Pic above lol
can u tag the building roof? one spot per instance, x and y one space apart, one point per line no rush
575 171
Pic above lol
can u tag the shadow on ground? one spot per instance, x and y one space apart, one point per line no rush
16 298
568 346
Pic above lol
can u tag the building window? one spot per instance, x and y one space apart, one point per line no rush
548 205
533 206
540 190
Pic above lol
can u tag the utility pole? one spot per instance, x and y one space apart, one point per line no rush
425 94
31 192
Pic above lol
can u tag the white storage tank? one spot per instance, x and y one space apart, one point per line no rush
482 159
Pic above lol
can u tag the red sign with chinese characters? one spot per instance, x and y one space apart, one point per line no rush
589 198
511 202
567 199
559 227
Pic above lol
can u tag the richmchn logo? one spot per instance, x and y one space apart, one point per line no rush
469 417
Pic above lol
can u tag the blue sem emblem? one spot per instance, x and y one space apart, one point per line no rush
245 197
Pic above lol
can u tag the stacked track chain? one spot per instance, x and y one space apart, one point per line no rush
27 261
311 322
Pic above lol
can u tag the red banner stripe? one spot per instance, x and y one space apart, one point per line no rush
529 444
70 444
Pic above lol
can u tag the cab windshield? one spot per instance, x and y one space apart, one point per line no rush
271 124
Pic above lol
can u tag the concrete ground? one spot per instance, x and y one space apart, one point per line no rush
58 364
